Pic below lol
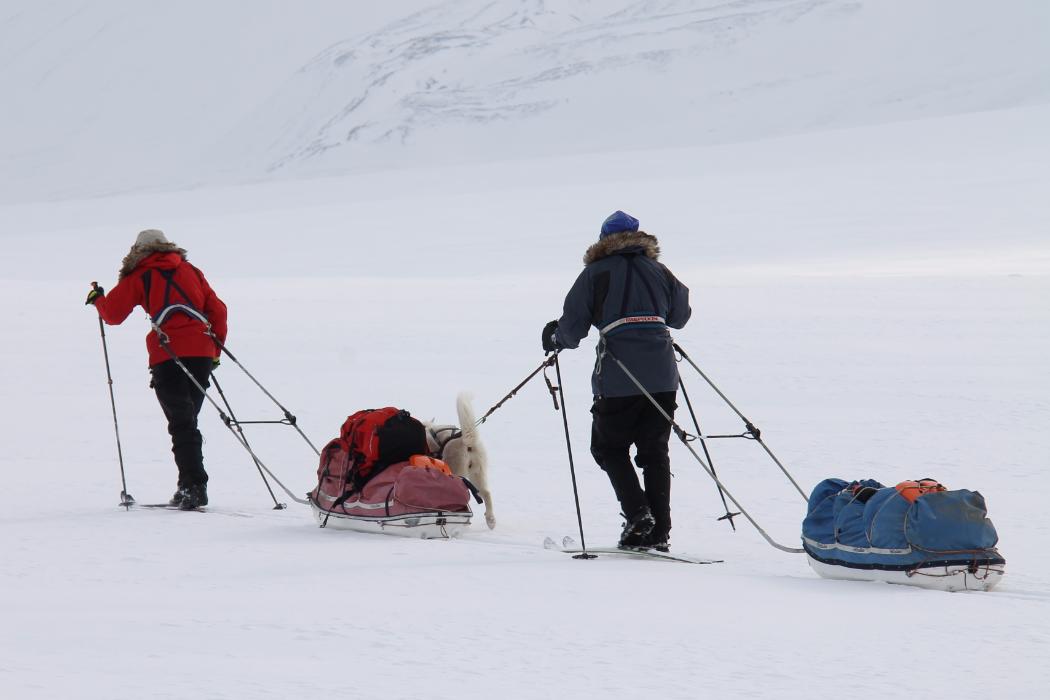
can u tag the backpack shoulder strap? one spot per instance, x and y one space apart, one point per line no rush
187 307
169 277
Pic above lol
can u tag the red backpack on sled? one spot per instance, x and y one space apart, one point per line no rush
377 476
369 441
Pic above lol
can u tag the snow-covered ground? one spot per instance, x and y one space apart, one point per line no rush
879 310
871 292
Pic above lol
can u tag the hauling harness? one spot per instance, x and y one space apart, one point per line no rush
703 443
686 439
751 432
167 308
650 320
514 392
654 319
228 419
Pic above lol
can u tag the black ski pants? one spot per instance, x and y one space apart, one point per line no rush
620 422
181 402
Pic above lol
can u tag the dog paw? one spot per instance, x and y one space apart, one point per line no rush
490 520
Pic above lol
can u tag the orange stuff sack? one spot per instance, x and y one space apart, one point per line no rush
424 462
912 490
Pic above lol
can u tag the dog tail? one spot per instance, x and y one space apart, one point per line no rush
477 458
465 411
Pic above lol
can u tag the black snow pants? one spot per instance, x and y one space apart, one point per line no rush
622 421
181 402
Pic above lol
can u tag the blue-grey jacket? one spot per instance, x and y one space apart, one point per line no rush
623 280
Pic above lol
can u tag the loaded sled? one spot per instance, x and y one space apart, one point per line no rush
377 477
917 533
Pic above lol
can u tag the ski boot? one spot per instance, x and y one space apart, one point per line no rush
636 528
193 497
176 499
658 540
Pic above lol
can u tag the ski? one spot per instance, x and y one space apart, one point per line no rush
165 506
568 546
202 509
640 553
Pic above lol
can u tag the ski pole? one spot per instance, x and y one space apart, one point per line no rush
572 468
125 498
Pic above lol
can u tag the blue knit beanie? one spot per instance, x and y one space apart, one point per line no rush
618 222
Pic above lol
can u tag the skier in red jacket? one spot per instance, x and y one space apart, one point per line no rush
182 308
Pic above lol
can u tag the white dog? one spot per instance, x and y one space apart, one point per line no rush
460 447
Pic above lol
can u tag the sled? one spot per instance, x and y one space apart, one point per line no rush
914 534
424 525
409 499
951 577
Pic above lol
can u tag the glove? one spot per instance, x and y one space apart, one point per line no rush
550 343
94 294
214 364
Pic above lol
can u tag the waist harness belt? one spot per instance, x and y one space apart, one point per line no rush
652 320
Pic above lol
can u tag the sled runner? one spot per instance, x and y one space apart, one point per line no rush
917 533
377 477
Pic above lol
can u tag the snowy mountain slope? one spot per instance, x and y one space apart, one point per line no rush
119 95
477 80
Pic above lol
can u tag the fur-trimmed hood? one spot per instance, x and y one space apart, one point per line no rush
620 242
138 253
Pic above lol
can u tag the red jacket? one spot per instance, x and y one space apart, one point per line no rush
187 337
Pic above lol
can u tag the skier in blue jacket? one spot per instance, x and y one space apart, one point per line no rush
632 299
